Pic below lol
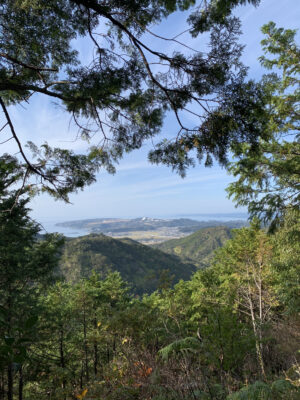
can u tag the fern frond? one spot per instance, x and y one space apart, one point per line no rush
180 347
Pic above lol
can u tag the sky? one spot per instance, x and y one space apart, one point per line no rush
139 188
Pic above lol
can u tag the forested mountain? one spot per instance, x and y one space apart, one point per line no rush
145 268
199 247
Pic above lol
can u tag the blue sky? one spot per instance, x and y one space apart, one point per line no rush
139 188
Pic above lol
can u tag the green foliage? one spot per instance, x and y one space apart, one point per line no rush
245 275
117 94
268 174
286 261
230 332
202 339
280 389
179 348
145 268
199 247
26 266
214 12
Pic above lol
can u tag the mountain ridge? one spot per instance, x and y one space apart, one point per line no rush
142 266
197 248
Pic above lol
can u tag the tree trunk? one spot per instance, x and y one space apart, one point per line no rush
81 376
21 383
107 353
2 390
260 308
10 382
62 356
85 347
95 351
256 335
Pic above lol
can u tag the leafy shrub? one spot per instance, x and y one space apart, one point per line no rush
279 390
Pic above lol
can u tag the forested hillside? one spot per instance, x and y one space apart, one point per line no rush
141 266
97 318
199 247
230 332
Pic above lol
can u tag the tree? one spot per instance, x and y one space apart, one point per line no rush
269 177
55 352
246 278
79 329
118 101
24 261
286 261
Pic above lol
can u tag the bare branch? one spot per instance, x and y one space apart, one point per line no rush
4 126
7 140
30 166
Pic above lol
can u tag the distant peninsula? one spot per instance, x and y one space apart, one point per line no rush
147 230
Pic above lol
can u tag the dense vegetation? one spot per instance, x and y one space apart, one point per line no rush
199 247
232 330
144 267
268 175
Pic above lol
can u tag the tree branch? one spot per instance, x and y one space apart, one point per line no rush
28 66
30 166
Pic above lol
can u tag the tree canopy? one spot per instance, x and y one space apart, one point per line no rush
230 332
269 177
119 100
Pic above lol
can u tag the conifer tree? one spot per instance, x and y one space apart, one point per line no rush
269 175
24 261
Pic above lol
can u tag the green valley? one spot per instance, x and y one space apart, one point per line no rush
145 268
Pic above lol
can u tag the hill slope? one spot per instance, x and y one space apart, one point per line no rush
197 248
140 265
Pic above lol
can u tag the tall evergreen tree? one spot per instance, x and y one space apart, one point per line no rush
24 262
269 176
